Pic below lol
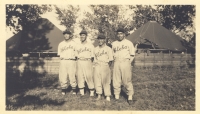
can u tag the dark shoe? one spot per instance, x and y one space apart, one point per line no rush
83 96
63 91
98 98
131 102
74 92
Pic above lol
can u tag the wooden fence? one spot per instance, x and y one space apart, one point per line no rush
51 64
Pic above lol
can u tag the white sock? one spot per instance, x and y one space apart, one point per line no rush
82 91
130 97
91 92
108 98
99 95
116 96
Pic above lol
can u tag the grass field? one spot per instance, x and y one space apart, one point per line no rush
155 89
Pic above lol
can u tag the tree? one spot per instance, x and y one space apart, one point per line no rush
68 16
178 16
19 17
144 13
106 19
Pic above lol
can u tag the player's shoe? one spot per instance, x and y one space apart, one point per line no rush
99 97
74 92
63 91
131 102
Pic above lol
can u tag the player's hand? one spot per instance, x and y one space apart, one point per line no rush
76 58
110 63
92 59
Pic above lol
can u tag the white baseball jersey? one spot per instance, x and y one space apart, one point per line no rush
67 50
103 54
123 49
85 50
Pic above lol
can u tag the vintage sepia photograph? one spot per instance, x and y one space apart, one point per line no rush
100 57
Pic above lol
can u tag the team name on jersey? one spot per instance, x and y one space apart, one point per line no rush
66 48
98 54
83 50
120 48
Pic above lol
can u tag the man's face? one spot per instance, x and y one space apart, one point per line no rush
120 36
101 41
67 36
83 37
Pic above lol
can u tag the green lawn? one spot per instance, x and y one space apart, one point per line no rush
155 89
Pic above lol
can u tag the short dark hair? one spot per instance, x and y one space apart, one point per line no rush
83 32
101 36
66 32
120 30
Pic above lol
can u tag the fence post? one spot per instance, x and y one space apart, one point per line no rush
181 57
163 60
153 59
144 57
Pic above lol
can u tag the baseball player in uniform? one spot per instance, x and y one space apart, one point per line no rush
102 76
67 68
85 56
123 51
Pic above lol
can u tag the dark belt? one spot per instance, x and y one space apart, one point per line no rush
84 59
68 59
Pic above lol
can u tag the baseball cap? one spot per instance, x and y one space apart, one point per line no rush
66 32
101 36
120 30
83 32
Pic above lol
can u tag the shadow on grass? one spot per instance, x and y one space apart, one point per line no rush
18 84
19 88
31 101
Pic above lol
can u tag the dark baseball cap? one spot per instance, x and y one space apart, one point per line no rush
101 36
66 32
83 32
120 30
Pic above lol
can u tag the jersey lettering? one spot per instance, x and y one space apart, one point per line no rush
98 54
120 48
83 50
66 48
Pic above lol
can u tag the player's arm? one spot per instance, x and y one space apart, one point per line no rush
110 56
92 53
59 51
132 52
75 51
95 58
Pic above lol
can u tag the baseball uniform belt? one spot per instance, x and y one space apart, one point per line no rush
84 59
68 59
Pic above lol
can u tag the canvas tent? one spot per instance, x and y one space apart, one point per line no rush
42 36
153 33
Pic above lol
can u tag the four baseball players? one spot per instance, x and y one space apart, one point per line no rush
122 53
